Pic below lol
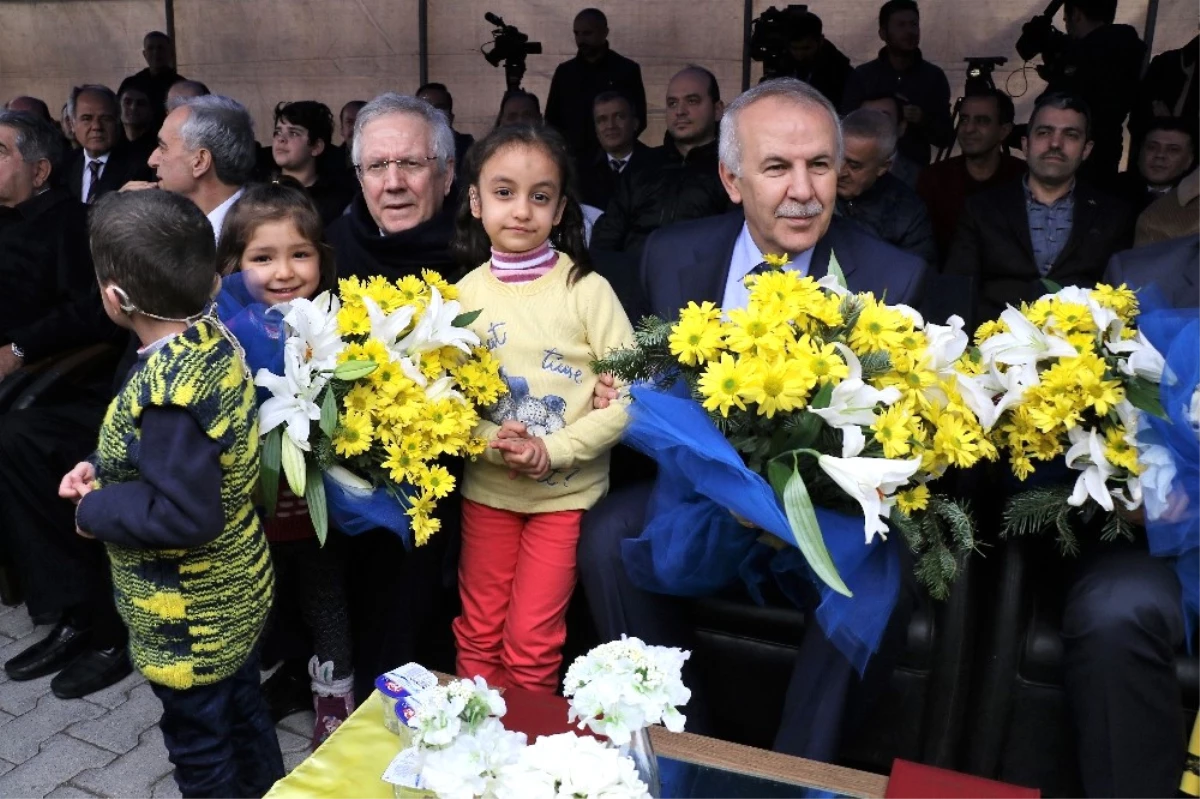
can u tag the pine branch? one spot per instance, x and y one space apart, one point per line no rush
1033 511
649 358
875 364
1115 526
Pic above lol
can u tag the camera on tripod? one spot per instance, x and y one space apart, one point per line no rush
510 46
979 71
771 38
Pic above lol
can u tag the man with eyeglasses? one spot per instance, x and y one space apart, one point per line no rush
302 137
400 224
402 221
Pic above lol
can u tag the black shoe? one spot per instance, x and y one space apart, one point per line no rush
64 643
47 617
92 671
288 691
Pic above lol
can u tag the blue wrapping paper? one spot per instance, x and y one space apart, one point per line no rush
692 546
1176 334
260 331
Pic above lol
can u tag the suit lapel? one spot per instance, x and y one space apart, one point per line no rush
705 277
1017 220
75 177
828 247
1082 219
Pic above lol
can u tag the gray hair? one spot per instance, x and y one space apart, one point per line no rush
866 123
222 126
390 103
36 138
791 89
91 88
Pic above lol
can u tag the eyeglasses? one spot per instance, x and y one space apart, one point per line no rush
409 166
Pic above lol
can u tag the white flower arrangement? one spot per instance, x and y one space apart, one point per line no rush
471 765
624 686
569 766
447 711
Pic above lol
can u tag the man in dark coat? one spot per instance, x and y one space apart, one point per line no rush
620 154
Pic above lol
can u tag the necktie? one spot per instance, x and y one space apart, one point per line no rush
94 167
617 165
761 269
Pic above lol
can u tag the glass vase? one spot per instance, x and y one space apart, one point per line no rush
641 751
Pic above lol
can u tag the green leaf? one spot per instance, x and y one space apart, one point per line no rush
1143 395
329 412
835 269
353 370
314 494
807 532
269 475
293 466
1051 286
823 397
466 318
778 475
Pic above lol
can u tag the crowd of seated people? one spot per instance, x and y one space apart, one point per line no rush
828 157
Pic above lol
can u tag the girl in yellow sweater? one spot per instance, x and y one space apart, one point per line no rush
546 316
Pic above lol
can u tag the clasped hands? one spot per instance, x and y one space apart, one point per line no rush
523 454
77 484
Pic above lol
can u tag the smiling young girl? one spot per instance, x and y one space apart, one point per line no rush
271 252
546 316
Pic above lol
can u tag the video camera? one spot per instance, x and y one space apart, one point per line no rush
1040 37
771 37
979 71
510 46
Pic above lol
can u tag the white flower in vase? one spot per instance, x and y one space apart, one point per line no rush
569 765
470 766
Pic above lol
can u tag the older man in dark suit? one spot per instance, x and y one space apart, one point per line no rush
105 161
780 152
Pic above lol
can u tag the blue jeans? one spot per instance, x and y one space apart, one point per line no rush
220 736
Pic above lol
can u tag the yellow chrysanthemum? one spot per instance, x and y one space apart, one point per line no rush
362 398
1022 467
1120 300
401 465
990 328
412 290
435 480
350 291
827 364
435 280
1118 450
778 385
776 261
757 330
384 293
878 327
956 441
353 320
697 337
423 528
353 435
894 430
913 499
722 383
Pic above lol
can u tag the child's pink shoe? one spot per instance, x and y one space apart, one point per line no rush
333 700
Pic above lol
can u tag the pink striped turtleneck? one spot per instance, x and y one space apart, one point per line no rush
521 267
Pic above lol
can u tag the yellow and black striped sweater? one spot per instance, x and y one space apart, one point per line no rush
194 612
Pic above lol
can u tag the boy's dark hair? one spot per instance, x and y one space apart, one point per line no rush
434 86
512 94
314 117
1103 11
895 7
281 199
471 246
1064 101
157 247
1005 112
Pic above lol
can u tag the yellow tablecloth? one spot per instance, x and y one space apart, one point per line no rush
350 763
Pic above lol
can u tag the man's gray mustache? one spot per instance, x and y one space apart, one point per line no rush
794 210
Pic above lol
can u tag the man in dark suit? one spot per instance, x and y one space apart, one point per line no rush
780 153
1168 267
620 155
1016 239
105 162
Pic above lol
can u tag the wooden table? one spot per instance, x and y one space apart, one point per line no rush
352 761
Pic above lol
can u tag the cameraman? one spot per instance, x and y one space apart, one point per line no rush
1098 61
576 83
814 59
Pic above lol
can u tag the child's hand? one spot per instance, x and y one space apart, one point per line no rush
512 429
527 456
77 483
605 392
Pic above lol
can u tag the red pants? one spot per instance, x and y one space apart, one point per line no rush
515 576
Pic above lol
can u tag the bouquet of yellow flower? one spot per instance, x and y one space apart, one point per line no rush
378 382
841 401
1066 376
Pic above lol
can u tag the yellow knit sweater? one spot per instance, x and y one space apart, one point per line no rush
545 335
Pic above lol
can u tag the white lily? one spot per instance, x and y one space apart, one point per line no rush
1025 343
990 394
1101 316
871 482
830 283
435 329
946 343
315 329
1087 449
388 327
413 371
1142 359
442 387
1157 478
852 407
292 401
350 482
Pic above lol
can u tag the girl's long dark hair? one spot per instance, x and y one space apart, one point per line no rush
471 245
284 198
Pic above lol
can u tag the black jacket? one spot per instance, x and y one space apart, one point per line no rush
992 246
576 84
923 85
597 181
126 162
157 86
893 212
672 189
828 73
362 252
1165 267
49 288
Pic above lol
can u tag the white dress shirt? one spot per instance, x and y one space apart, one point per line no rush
747 256
87 171
217 217
624 161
